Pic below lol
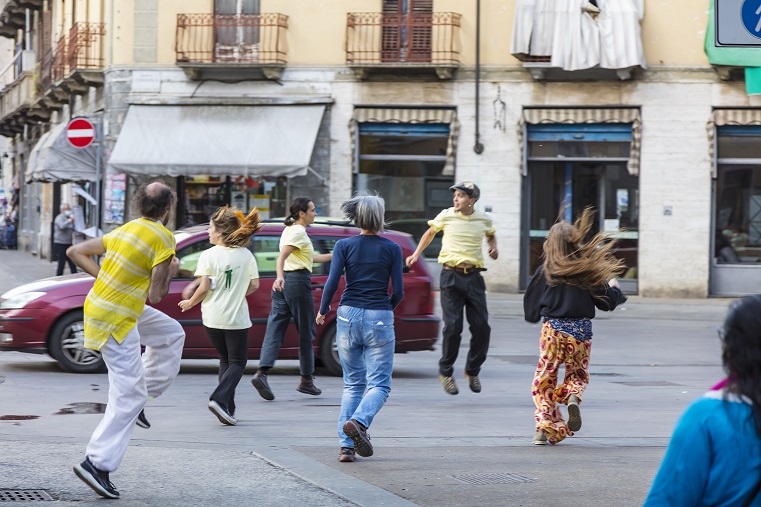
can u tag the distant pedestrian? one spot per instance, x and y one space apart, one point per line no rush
139 263
225 309
365 320
292 299
714 456
63 231
577 276
461 284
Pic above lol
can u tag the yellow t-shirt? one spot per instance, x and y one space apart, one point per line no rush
463 236
301 258
118 296
226 306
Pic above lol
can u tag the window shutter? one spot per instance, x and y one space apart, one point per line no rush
391 7
225 7
421 6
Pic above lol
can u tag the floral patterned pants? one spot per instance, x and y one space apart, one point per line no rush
556 349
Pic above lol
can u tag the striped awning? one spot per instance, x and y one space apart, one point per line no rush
723 117
410 115
590 115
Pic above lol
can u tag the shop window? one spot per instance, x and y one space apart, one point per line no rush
737 233
571 167
405 164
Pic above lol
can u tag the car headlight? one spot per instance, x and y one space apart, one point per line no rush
20 300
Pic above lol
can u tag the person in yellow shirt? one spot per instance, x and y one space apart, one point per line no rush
292 299
461 284
139 263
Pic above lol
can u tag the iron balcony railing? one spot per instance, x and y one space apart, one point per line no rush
86 47
231 38
410 39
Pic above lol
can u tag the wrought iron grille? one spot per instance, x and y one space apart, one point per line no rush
415 38
85 50
232 38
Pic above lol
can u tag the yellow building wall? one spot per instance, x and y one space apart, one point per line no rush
316 34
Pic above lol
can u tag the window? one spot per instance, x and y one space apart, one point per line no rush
188 258
737 235
266 250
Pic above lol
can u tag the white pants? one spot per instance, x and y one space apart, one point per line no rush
132 380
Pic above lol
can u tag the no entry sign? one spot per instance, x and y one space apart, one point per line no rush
80 132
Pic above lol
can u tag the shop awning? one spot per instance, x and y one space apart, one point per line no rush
631 115
53 159
217 140
414 116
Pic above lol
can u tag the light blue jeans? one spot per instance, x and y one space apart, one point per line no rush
365 341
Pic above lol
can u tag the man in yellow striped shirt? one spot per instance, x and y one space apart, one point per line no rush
139 263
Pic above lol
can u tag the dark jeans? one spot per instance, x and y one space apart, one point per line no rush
60 254
458 290
232 347
295 302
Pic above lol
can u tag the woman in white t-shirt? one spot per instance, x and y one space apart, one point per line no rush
224 308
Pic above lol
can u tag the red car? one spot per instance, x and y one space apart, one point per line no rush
46 316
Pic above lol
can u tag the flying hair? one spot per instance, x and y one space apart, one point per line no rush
570 260
235 228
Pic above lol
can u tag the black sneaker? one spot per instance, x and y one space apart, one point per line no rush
222 414
358 434
473 382
307 386
142 421
260 383
346 455
97 479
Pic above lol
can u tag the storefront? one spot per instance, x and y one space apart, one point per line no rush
736 241
576 159
406 155
243 155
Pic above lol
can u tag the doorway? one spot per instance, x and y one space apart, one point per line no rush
565 176
407 27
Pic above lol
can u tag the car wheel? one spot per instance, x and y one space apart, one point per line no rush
67 346
329 352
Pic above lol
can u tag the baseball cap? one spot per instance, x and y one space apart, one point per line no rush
468 188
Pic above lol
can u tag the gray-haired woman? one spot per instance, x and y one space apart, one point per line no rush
365 323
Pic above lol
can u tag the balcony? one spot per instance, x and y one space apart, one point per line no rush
13 15
403 43
17 93
232 46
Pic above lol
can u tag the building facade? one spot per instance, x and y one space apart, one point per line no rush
548 110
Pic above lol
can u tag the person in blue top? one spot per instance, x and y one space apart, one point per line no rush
714 457
365 320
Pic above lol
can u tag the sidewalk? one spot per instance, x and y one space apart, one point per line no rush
18 267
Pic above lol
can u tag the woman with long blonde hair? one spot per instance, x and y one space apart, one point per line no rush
576 277
224 309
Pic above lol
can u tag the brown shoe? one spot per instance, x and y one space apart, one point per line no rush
473 383
347 455
307 386
358 434
574 414
448 384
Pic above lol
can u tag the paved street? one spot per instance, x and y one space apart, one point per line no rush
649 360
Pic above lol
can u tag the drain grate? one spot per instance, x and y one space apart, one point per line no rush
24 495
496 478
649 383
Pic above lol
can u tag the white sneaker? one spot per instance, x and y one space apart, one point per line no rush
222 414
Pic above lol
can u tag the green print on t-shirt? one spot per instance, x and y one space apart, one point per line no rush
228 277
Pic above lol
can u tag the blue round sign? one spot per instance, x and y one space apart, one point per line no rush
751 17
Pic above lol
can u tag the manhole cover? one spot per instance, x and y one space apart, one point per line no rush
649 383
497 478
24 495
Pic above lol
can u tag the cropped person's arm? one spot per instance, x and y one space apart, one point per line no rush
425 240
82 254
204 285
280 268
161 275
253 286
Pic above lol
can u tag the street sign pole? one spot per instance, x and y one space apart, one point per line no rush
98 176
